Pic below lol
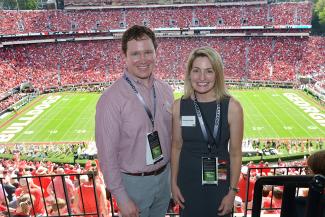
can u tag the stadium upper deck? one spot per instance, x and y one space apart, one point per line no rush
20 22
139 2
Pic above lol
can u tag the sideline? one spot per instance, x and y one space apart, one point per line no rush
21 111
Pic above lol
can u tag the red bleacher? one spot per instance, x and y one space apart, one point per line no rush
18 22
256 58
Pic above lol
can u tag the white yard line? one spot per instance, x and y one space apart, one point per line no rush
276 104
269 125
305 119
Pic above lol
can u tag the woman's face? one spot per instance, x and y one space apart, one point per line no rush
202 76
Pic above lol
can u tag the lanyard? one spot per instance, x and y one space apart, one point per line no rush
152 118
202 125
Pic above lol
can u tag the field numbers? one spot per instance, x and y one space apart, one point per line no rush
257 128
312 127
81 131
4 115
53 131
28 132
287 127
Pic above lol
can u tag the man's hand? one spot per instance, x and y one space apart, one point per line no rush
129 209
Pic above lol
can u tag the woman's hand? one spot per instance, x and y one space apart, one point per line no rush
177 196
227 203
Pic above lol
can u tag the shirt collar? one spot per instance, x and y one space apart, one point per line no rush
138 80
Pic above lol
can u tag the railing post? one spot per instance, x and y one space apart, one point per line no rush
315 207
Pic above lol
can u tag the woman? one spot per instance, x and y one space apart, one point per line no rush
204 174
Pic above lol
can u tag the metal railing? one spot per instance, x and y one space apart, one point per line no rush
315 199
68 200
283 170
289 183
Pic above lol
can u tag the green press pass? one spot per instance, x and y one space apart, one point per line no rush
153 142
210 164
213 170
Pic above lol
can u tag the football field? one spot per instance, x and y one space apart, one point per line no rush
69 117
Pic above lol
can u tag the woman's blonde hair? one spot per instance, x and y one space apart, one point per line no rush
24 201
217 66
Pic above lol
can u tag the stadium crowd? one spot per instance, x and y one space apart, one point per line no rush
251 172
10 170
49 195
17 22
44 185
254 58
134 2
10 101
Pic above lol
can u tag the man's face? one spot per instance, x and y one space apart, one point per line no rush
140 57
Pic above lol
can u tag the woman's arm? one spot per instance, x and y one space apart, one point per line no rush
176 149
236 126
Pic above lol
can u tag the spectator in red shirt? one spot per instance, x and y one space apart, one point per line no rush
56 187
243 183
238 205
35 191
266 169
85 201
274 203
42 182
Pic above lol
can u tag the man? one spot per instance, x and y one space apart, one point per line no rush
133 131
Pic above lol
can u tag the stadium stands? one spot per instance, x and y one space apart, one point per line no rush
255 58
18 22
288 201
130 2
10 101
47 178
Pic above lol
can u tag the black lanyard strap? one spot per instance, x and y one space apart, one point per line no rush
202 124
152 118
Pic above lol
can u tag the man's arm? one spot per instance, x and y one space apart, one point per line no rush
107 131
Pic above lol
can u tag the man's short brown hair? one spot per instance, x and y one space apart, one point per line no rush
316 162
137 32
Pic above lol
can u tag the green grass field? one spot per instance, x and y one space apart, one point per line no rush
268 114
